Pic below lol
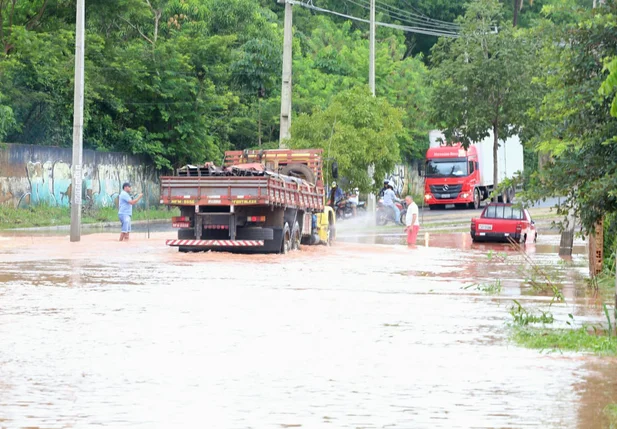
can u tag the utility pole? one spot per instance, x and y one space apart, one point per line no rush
78 122
286 85
371 203
371 63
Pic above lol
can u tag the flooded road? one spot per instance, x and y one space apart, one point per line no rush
358 335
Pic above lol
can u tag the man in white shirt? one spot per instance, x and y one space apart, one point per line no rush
412 221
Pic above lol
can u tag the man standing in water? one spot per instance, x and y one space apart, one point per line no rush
412 221
125 210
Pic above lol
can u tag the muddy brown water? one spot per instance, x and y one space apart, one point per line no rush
358 335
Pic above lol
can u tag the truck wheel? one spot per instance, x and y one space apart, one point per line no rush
476 199
295 237
286 244
299 170
331 235
186 234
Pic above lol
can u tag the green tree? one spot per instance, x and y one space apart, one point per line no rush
482 80
335 58
356 129
610 84
577 132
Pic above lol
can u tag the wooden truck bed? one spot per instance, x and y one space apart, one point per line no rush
267 189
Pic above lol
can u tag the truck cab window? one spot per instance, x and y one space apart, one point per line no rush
471 167
446 167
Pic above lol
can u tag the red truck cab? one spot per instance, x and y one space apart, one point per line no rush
452 176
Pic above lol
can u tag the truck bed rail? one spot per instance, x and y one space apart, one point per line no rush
267 189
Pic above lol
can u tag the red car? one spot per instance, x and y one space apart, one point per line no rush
499 222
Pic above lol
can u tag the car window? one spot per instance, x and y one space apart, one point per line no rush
512 213
503 212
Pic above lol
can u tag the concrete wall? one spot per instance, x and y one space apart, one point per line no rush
405 179
33 175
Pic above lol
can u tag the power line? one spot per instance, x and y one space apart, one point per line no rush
410 29
420 16
406 18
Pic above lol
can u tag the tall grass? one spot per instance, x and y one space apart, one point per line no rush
43 215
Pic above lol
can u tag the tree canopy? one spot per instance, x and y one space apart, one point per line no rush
576 132
358 131
482 80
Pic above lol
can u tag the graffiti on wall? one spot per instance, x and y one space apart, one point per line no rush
405 179
397 179
27 180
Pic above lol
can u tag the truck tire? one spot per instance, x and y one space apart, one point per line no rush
254 233
286 239
299 170
295 237
476 199
186 234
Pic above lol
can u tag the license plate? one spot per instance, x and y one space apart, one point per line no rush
485 227
445 195
181 225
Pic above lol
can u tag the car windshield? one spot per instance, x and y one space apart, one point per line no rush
447 167
503 212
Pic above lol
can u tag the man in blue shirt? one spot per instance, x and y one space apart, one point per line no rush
336 194
125 210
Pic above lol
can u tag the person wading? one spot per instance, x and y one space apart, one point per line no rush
125 210
412 221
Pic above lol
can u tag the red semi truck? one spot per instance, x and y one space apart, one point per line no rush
261 201
464 178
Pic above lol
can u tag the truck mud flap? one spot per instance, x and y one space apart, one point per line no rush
215 243
254 233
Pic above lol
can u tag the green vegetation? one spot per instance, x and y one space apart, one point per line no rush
571 123
610 412
41 216
578 340
184 80
358 130
487 288
482 81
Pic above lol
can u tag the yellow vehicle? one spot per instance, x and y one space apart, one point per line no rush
259 201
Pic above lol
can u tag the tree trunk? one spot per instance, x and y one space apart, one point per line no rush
516 9
495 161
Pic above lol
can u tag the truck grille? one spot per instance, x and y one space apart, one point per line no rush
445 191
